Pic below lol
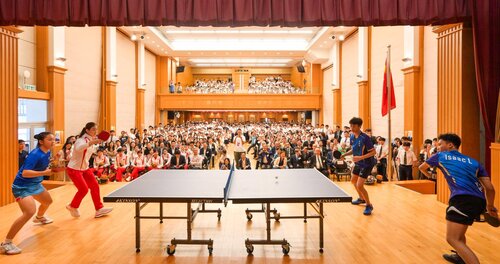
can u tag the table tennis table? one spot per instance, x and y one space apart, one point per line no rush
201 187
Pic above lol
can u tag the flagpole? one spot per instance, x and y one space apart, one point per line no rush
389 104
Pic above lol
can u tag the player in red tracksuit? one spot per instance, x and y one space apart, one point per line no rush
79 172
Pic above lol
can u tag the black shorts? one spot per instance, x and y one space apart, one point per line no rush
463 209
363 172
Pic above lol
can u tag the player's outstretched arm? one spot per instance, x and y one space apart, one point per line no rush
490 195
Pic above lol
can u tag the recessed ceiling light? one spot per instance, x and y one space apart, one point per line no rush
157 46
147 37
324 42
321 46
153 41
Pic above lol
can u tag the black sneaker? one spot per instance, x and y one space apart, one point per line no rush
453 258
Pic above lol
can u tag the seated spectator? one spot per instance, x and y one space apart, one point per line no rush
296 161
101 163
155 162
138 165
121 164
225 165
178 161
196 160
244 162
281 162
318 162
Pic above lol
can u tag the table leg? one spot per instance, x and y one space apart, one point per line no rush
161 213
321 228
137 227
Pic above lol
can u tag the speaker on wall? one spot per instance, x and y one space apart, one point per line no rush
179 69
308 115
171 114
300 68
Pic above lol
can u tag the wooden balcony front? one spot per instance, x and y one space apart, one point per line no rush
239 101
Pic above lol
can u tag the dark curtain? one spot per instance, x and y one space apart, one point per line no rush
486 30
291 13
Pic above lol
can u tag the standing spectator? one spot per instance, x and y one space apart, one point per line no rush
381 155
22 152
406 160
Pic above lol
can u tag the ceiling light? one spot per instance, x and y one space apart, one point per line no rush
133 37
341 37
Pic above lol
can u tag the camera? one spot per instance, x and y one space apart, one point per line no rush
142 36
332 37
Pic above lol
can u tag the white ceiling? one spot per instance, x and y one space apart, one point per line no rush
242 46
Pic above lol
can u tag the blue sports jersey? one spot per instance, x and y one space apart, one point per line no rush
361 146
461 172
37 160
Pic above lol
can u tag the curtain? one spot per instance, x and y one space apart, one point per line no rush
486 30
291 13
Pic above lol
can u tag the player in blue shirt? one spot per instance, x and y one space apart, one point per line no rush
27 188
363 154
468 183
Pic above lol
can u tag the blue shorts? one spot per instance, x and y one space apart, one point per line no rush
25 191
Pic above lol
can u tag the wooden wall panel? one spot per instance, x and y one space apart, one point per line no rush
55 111
458 109
364 103
495 171
240 102
413 99
42 57
8 111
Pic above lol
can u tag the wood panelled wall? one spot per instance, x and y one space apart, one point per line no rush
458 109
495 171
8 111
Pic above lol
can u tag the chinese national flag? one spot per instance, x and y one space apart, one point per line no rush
385 93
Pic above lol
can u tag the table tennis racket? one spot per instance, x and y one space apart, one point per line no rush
58 169
103 135
492 221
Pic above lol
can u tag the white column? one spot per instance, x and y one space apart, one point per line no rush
411 50
111 74
57 47
141 65
362 54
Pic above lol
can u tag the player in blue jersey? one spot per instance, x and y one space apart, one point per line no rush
468 183
27 188
363 154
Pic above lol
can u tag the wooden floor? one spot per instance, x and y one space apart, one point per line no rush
406 227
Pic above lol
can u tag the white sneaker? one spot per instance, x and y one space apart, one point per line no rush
9 249
74 211
42 220
103 211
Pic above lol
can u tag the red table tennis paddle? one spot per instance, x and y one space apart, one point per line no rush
103 135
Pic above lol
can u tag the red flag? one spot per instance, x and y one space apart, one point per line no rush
385 94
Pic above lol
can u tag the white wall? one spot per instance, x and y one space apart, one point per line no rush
381 37
327 97
26 55
82 82
149 95
350 93
125 89
430 83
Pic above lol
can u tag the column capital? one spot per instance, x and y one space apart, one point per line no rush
410 69
57 69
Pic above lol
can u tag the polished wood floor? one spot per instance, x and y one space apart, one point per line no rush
406 227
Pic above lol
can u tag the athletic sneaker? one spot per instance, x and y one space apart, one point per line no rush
103 211
9 249
42 220
453 258
358 201
368 210
74 211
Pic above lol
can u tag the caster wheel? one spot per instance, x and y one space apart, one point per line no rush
285 249
305 220
249 216
277 216
249 249
210 250
161 222
320 250
137 250
219 216
171 250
